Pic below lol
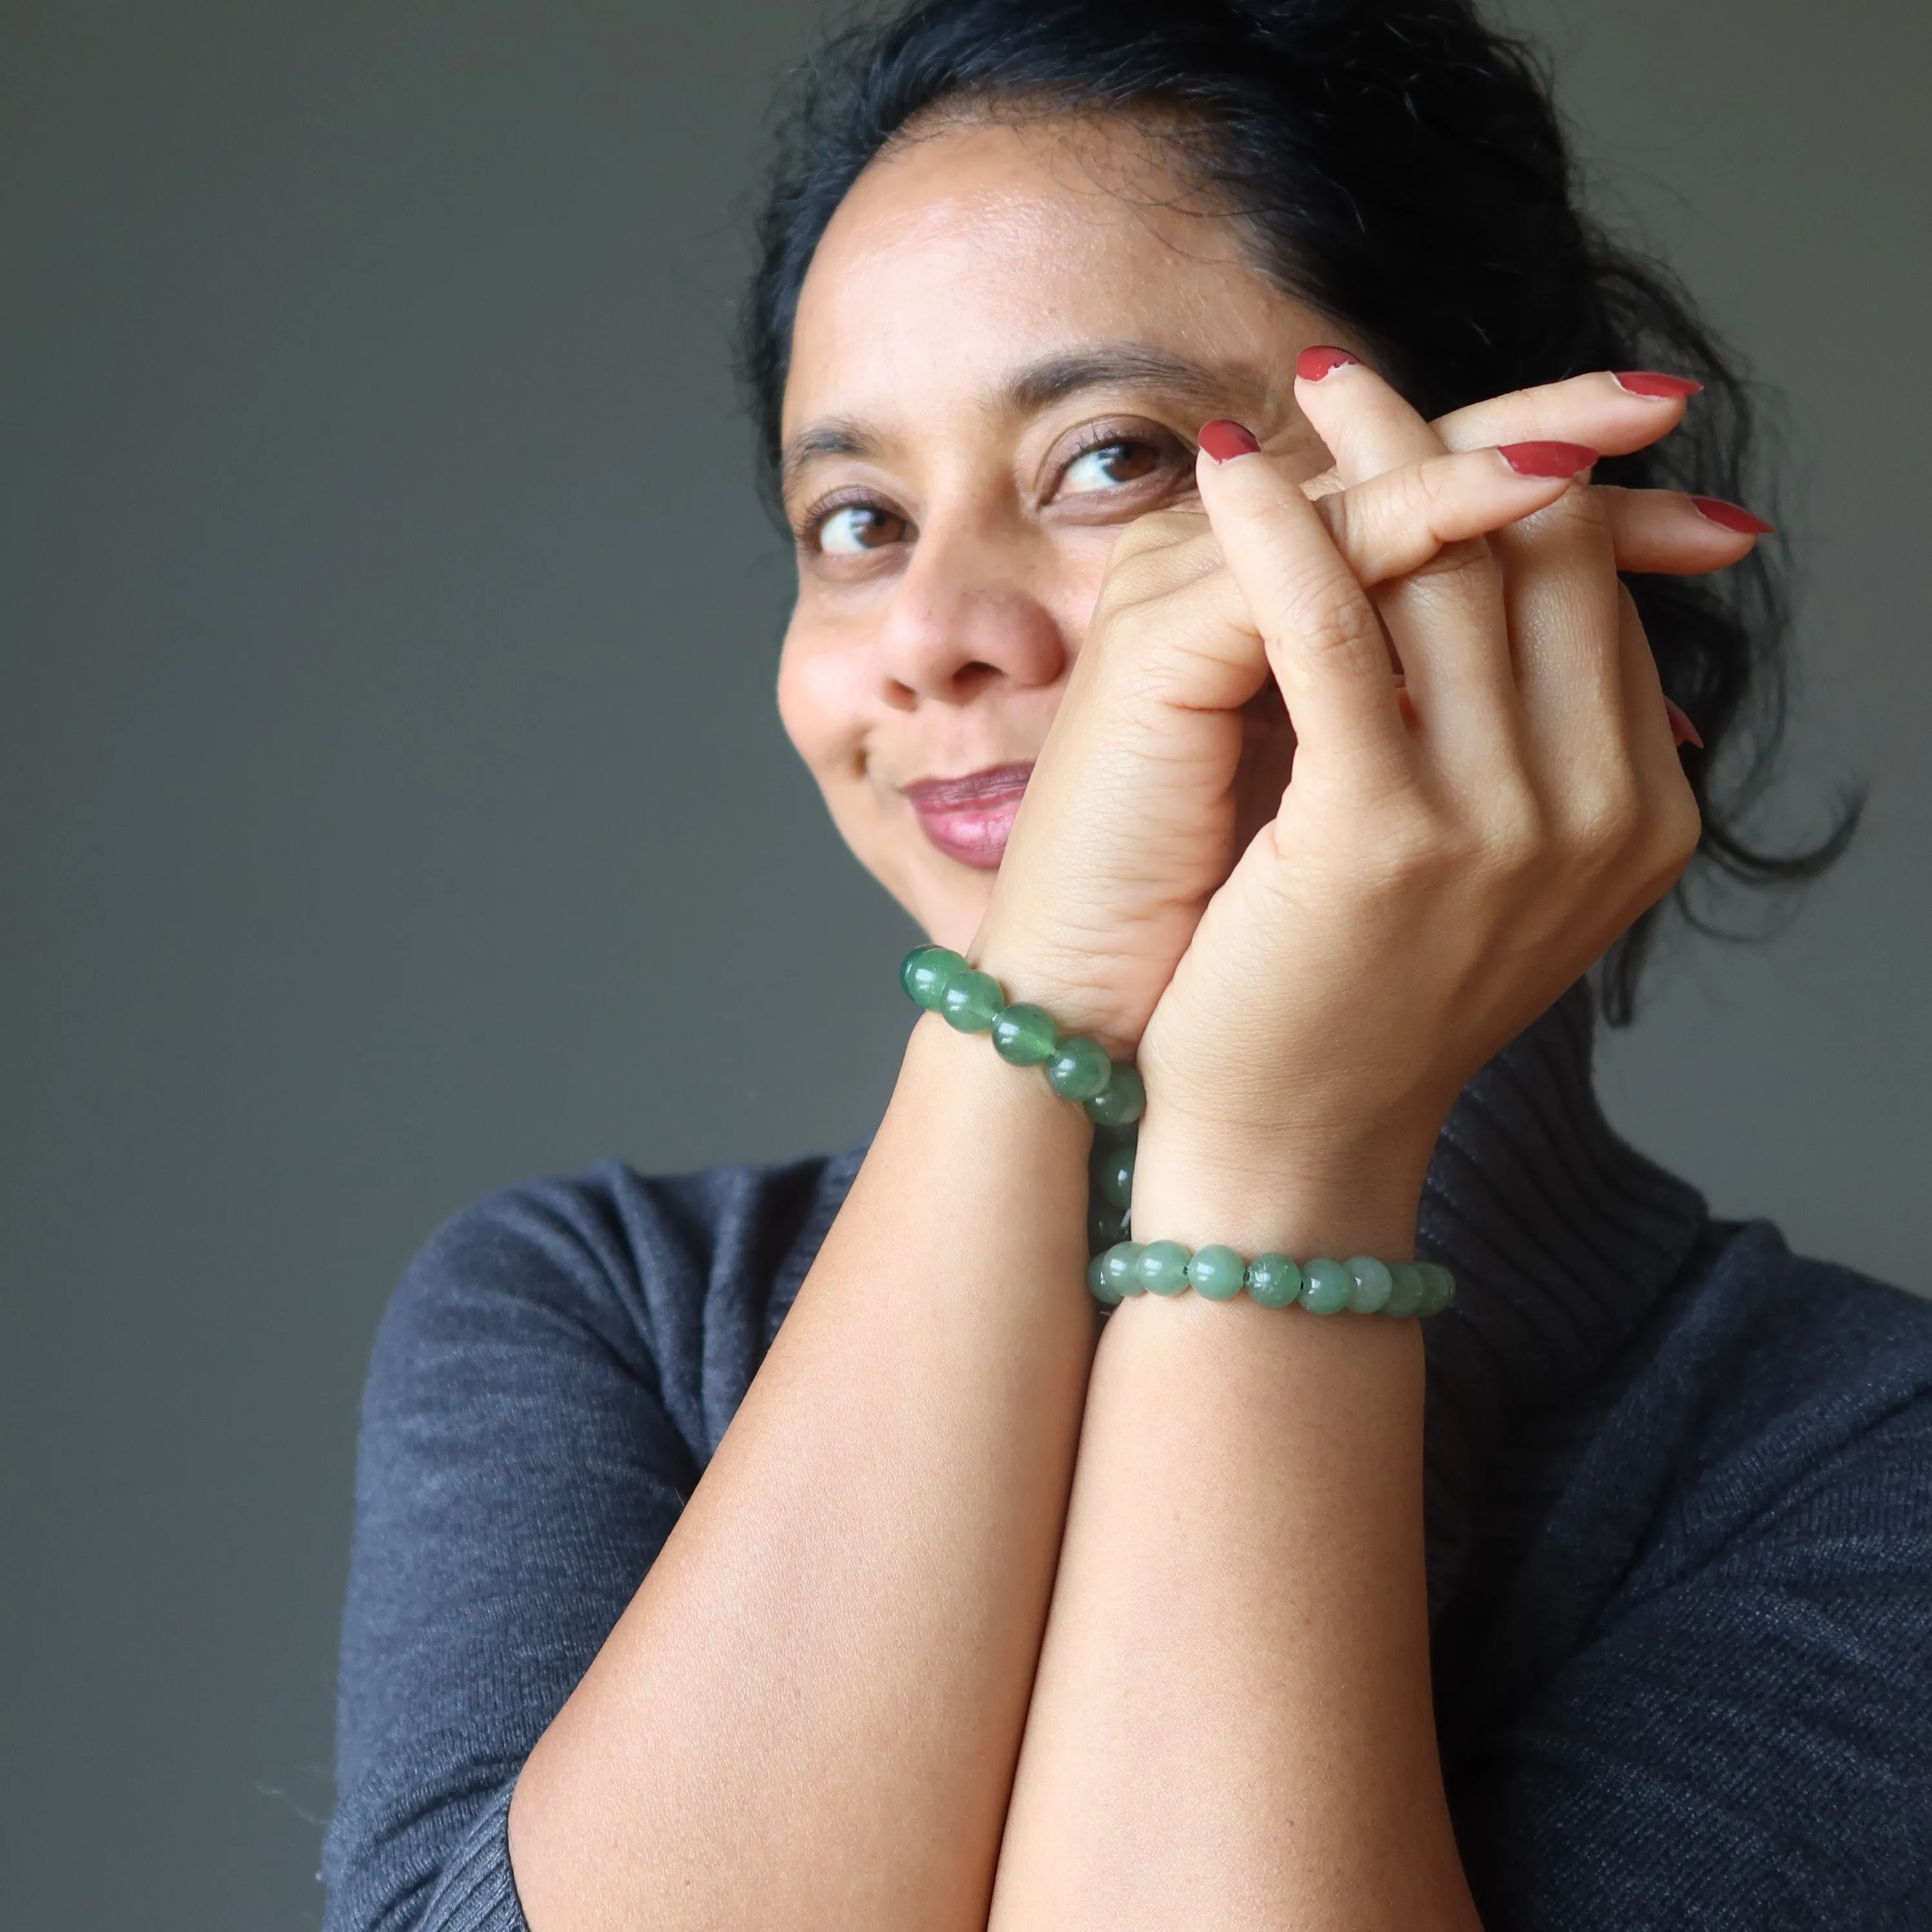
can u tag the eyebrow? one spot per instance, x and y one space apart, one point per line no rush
1113 365
1120 365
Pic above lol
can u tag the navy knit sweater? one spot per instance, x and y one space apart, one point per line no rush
1679 1521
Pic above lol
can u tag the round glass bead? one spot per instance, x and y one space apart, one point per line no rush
1439 1286
1405 1289
1122 1100
1326 1286
1121 1266
1025 1035
1098 1285
1080 1069
1215 1273
1163 1268
1105 1225
1372 1284
925 972
971 1001
1113 1174
1273 1280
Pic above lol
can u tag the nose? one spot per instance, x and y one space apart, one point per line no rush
963 617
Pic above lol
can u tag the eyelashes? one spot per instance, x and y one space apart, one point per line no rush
1104 468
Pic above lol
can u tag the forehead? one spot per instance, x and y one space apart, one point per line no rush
981 247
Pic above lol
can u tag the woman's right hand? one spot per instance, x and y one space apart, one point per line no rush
1171 744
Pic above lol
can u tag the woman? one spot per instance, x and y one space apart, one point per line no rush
1096 347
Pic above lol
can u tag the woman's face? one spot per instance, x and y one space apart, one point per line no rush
1005 345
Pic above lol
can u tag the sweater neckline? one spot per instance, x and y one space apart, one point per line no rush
1562 1237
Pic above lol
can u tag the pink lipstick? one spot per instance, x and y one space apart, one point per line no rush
970 818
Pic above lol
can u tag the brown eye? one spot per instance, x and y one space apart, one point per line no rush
856 528
1109 466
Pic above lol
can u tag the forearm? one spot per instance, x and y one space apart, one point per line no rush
1232 1724
809 1713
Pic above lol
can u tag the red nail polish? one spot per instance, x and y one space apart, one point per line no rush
1654 382
1547 459
1682 731
1311 364
1732 517
1224 440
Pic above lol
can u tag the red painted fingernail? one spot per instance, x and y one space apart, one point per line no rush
1732 517
1654 382
1311 364
1682 731
1224 440
1547 459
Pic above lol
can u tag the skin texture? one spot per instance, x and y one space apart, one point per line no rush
960 1591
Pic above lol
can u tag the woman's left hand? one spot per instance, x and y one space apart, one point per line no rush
1454 848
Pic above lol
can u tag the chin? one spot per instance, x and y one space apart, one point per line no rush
949 900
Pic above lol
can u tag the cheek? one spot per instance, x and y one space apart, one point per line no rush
825 705
820 706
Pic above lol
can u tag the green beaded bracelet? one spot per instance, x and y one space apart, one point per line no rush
1361 1284
1076 1067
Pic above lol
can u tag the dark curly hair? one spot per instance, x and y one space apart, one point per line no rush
1399 166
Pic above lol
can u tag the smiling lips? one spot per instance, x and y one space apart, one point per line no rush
970 818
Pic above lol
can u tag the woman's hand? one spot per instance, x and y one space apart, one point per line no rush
1171 747
1457 845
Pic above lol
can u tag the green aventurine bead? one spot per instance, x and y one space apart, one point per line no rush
1326 1286
1113 1174
1122 1100
1080 1069
1273 1280
1215 1273
1099 1283
1163 1268
972 1001
924 974
1439 1286
1405 1291
1372 1284
1121 1266
1025 1035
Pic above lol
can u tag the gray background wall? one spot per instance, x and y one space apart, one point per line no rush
391 803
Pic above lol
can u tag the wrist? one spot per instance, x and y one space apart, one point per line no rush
1080 991
1257 1195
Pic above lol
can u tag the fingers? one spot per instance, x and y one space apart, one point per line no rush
1597 409
1664 532
1674 824
1324 640
1369 429
1399 521
1367 426
1561 596
1396 523
1444 618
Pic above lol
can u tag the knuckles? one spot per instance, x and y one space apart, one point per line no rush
1514 852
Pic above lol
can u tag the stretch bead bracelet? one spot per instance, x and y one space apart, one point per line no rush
1361 1283
942 982
1076 1067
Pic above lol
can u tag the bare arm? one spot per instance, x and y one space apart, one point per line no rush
809 1713
1233 1725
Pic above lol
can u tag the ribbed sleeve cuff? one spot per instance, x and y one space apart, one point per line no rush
478 1894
